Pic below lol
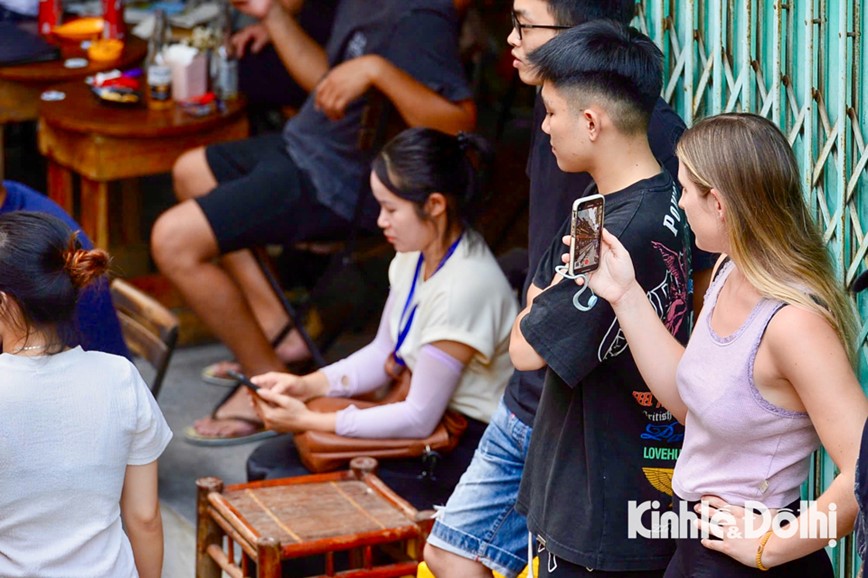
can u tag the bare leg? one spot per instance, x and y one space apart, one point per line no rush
445 564
192 178
191 175
184 248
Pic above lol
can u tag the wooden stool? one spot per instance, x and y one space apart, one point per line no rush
102 143
320 514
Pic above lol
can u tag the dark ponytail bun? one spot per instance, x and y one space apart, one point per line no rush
44 267
84 265
421 161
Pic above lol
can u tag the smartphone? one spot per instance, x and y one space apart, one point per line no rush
243 379
586 232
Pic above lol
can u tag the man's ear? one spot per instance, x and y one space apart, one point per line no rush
592 118
435 205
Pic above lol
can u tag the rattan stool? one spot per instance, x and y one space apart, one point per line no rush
321 514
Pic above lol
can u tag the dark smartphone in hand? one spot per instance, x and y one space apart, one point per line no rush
586 233
243 379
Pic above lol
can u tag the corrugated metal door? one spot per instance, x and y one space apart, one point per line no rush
802 64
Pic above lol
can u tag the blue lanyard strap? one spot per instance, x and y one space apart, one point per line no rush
403 331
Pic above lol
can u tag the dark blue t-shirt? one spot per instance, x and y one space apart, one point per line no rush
420 38
96 322
600 439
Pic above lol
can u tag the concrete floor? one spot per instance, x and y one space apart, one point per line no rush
183 398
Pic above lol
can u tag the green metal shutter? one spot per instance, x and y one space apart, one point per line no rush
802 64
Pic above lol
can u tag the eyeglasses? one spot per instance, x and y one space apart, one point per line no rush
518 26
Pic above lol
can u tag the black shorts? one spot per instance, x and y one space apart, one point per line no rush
693 560
263 198
551 566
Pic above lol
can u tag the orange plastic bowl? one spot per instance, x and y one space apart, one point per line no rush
105 49
89 28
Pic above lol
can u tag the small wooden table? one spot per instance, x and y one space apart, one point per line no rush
320 514
102 143
21 85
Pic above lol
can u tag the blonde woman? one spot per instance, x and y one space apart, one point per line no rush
767 374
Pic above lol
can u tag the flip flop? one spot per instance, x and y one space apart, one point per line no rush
260 433
197 439
215 374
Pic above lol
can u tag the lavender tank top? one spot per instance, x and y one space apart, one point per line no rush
737 445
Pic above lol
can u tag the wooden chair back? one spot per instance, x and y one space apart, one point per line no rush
150 330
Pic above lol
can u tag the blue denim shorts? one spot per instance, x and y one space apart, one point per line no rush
479 521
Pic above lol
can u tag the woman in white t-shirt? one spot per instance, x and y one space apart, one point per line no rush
447 320
80 432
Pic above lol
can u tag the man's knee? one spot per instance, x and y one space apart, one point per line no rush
191 175
445 564
181 237
434 558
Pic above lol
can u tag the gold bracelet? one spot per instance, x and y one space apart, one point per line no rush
759 551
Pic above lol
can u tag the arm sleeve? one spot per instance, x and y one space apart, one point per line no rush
152 433
364 370
434 380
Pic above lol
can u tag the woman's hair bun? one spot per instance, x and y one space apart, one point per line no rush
84 265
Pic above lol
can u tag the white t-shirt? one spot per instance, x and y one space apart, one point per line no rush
70 424
468 301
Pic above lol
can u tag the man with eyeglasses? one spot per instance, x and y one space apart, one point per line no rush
479 529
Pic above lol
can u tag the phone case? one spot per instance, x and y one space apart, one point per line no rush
586 230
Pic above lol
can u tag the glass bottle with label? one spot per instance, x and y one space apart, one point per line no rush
225 79
159 73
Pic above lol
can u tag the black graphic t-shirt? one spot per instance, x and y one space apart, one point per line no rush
552 193
600 439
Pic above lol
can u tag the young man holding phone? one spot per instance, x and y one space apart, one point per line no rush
479 529
600 441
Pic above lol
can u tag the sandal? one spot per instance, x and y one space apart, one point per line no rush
259 432
217 373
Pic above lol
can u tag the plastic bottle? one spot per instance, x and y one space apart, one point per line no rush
159 73
225 80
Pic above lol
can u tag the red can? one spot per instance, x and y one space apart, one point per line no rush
113 18
49 15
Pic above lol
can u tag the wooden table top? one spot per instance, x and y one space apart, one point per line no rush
54 72
305 513
82 112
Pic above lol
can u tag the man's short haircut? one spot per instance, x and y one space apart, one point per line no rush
609 64
573 12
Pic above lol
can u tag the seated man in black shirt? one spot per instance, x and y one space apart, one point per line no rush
304 184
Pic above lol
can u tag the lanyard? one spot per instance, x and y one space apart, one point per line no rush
403 331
